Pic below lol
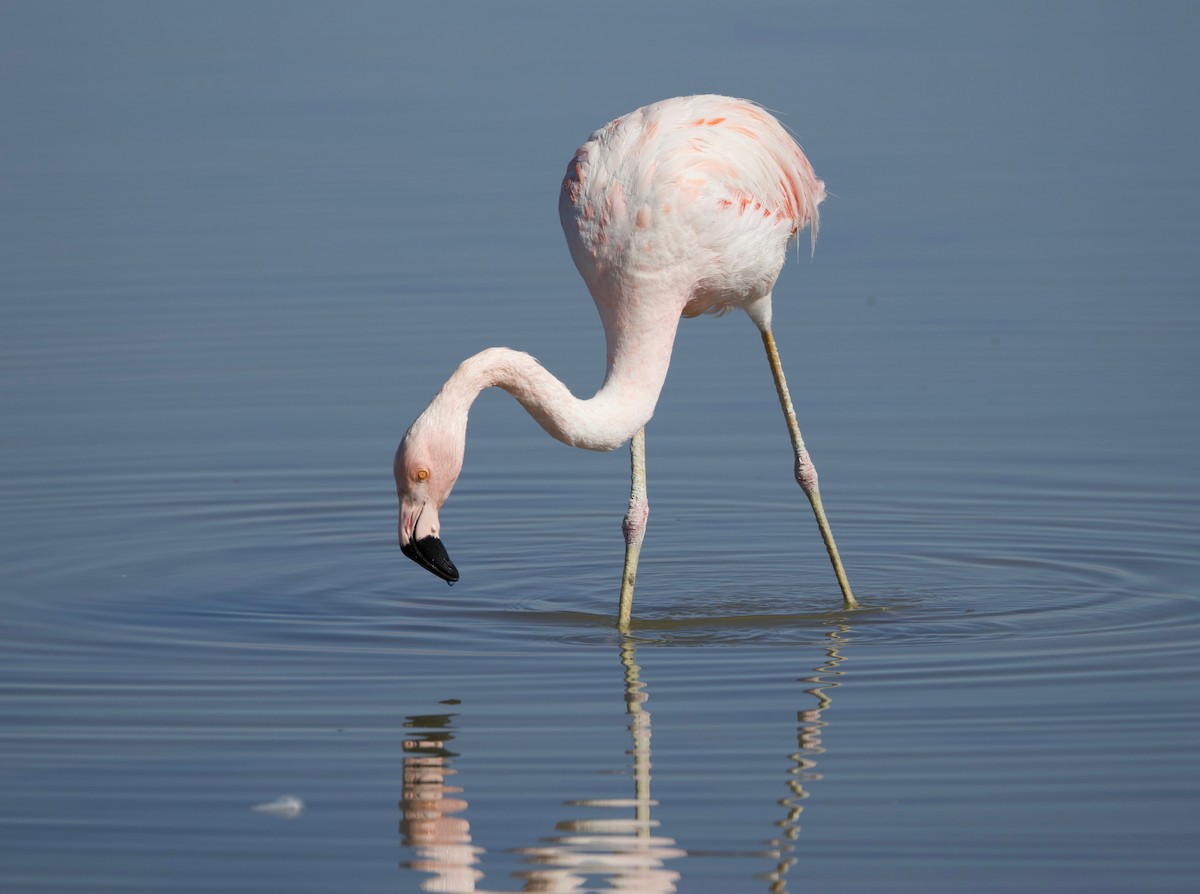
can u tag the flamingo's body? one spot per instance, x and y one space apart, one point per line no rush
680 208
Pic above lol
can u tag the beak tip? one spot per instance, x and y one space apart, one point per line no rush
429 553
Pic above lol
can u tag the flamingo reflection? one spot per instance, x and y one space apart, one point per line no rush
441 840
614 840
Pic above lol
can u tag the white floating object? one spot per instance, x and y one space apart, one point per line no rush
287 806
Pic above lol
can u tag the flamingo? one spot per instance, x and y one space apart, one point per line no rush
680 208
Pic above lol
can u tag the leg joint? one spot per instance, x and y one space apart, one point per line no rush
806 472
634 525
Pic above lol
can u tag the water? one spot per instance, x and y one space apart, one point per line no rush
240 247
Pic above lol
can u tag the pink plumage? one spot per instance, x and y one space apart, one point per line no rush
680 208
697 196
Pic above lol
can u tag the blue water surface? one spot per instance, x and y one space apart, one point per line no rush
242 244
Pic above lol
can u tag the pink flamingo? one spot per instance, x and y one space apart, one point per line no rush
681 208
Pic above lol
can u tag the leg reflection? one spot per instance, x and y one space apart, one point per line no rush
803 770
623 847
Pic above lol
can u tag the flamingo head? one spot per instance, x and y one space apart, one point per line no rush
425 469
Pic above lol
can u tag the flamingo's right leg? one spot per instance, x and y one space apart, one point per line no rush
634 525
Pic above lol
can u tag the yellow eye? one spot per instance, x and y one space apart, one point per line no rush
422 474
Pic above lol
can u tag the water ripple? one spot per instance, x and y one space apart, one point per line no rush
305 558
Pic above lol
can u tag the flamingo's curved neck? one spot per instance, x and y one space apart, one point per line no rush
639 353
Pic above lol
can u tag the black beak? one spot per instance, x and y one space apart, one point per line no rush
429 553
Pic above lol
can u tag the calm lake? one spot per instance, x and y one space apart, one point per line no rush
241 246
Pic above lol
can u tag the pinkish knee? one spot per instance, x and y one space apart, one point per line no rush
634 525
806 472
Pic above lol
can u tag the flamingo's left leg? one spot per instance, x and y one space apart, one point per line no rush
806 472
634 525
